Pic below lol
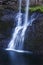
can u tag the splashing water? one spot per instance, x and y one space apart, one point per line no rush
16 43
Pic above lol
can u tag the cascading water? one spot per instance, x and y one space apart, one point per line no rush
16 43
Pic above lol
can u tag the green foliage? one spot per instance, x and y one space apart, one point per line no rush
36 8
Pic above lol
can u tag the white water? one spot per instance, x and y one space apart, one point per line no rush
19 14
17 41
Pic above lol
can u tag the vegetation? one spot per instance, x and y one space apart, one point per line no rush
36 8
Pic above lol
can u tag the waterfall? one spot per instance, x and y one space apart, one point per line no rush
27 11
18 27
26 18
19 14
17 41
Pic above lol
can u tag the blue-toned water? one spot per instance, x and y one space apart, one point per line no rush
17 41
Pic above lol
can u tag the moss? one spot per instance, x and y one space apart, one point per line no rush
36 8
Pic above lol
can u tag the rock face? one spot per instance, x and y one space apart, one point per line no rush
36 2
15 3
32 2
6 25
9 4
34 39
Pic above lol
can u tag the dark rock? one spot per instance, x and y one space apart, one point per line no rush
34 36
7 24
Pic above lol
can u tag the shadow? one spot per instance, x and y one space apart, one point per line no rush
15 58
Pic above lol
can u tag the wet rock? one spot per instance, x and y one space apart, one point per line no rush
7 24
34 36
